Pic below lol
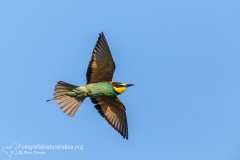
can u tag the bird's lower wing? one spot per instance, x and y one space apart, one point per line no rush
113 110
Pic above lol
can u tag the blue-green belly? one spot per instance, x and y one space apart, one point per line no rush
100 89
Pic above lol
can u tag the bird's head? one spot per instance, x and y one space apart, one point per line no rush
120 87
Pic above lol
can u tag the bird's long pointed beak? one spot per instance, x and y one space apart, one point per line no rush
128 85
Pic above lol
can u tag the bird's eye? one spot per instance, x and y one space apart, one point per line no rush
118 85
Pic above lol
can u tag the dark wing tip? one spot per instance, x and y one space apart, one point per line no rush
101 35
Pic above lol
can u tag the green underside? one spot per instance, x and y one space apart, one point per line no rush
101 89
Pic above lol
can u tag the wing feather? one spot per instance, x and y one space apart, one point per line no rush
101 66
114 112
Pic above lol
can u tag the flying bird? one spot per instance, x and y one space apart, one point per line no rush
99 87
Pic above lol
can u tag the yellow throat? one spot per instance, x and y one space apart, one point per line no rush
120 90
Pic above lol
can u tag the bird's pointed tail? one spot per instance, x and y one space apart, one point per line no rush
68 104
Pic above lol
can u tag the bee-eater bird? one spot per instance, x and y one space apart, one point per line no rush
100 88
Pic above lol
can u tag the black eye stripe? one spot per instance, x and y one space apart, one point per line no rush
119 86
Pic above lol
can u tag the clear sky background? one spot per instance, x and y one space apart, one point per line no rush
182 56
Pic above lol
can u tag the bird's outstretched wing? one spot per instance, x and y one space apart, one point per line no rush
113 110
101 67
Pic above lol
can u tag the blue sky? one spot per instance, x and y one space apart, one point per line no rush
182 56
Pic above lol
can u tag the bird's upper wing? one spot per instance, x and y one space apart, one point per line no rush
113 110
101 67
